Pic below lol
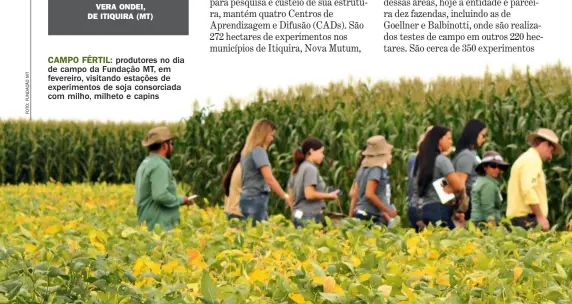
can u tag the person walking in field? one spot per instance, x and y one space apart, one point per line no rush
354 195
373 184
413 202
232 187
466 159
155 187
257 179
307 187
354 188
432 165
487 198
527 200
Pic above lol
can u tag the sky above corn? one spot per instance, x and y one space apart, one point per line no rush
212 78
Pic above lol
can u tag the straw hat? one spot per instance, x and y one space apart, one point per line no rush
157 135
548 135
491 157
377 152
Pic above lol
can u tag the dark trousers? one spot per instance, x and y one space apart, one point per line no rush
526 222
300 223
414 215
377 220
468 213
434 212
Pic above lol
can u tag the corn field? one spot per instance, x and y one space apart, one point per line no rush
40 151
342 115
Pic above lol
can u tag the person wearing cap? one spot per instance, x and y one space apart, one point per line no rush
527 200
306 185
374 188
487 198
155 187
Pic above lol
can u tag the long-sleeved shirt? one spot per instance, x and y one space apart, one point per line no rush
486 199
527 185
156 193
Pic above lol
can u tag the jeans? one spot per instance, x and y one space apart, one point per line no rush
526 222
434 212
300 223
377 220
414 215
255 207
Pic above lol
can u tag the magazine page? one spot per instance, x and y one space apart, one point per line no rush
286 151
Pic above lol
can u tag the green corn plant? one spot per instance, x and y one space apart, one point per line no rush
342 114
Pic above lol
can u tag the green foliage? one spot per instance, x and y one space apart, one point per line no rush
82 244
342 115
345 116
39 151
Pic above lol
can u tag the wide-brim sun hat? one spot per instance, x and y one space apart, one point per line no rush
157 135
377 152
492 157
548 135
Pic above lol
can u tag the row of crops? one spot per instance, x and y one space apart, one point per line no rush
81 244
343 115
